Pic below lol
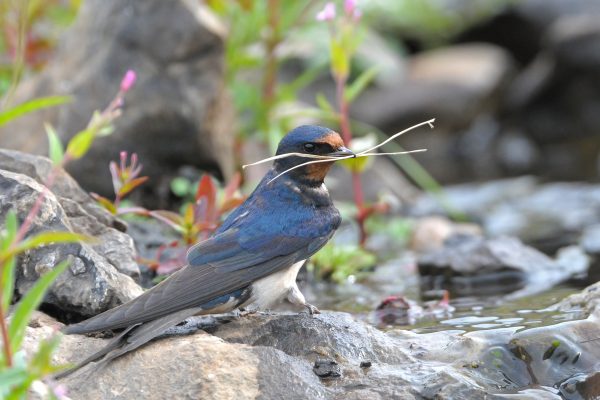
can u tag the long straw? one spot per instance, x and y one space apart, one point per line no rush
322 158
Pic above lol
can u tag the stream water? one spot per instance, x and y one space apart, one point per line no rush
421 312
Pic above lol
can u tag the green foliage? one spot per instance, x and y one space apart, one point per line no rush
31 106
29 33
16 381
360 83
17 375
55 147
80 144
258 34
29 303
204 214
337 263
397 228
433 23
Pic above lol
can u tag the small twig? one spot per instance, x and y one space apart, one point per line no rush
364 152
312 162
430 123
286 155
359 155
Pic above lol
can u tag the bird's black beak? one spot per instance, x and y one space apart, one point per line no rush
342 152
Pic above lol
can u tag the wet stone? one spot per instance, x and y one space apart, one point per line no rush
327 369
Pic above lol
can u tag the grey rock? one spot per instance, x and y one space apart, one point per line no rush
590 239
255 357
176 114
451 84
466 255
470 265
100 274
544 13
455 85
548 216
587 300
554 100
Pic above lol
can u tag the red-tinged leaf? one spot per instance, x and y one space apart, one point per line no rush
130 185
208 191
169 266
230 204
232 186
104 202
205 226
134 210
170 218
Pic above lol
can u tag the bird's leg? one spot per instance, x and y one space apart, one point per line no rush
296 297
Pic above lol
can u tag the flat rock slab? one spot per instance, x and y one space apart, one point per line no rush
281 356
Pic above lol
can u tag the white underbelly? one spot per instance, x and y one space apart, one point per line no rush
271 289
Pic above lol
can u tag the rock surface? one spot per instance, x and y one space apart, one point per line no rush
177 112
472 265
100 274
281 356
547 216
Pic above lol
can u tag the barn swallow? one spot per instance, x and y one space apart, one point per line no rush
251 261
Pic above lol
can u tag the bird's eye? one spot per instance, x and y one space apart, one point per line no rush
309 147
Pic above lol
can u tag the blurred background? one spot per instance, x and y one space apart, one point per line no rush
512 84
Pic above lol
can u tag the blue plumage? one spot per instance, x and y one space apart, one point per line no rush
253 258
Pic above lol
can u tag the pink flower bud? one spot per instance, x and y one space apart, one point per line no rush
349 7
123 159
128 81
327 13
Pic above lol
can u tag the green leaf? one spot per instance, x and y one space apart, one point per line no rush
104 202
80 143
7 282
360 83
340 64
56 151
31 106
130 185
180 186
323 103
11 226
11 377
357 164
8 268
47 238
29 303
106 130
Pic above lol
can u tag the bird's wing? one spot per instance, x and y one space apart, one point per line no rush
218 266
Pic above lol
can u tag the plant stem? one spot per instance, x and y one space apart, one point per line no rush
340 83
36 206
3 328
269 83
20 50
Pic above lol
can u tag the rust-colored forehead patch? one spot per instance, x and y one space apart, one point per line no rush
333 139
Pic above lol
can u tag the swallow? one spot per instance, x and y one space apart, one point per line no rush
252 260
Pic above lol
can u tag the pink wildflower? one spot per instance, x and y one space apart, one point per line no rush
349 6
352 10
327 13
128 81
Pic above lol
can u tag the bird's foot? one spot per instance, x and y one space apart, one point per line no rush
312 310
253 311
245 312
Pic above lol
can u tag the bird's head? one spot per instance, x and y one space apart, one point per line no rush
313 140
